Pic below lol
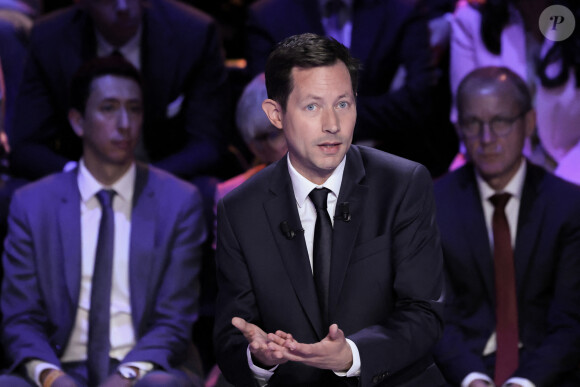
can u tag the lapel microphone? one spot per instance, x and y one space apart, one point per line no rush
342 212
287 231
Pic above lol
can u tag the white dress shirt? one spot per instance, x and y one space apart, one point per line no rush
344 33
307 212
131 51
515 187
122 335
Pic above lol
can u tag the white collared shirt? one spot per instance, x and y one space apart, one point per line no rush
131 50
306 210
122 334
514 187
344 34
512 209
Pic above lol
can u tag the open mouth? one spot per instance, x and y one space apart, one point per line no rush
331 145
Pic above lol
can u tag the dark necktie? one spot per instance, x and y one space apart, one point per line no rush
322 248
505 293
100 314
117 54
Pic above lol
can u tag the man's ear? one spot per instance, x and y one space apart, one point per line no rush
530 118
75 118
274 112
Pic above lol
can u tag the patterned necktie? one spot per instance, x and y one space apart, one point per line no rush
505 293
100 311
322 248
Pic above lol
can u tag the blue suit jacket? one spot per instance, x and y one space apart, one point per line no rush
386 273
42 263
184 90
547 264
386 34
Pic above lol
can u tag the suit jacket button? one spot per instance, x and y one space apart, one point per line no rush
375 379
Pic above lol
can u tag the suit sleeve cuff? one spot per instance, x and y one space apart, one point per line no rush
354 370
261 375
473 376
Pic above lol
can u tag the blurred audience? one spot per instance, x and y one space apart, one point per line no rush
266 142
267 145
16 20
513 295
398 106
230 16
178 51
102 262
506 33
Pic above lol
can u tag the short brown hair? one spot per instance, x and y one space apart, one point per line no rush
304 51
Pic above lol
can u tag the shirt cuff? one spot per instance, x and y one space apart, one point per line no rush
476 375
143 366
261 375
521 381
354 370
35 367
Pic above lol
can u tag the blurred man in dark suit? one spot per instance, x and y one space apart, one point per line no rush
511 241
177 50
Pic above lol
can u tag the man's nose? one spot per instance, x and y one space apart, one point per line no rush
123 119
330 121
486 134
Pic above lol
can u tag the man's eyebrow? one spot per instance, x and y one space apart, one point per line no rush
318 98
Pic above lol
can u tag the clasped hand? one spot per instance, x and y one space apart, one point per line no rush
270 349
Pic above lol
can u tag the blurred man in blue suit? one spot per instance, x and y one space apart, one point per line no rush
58 227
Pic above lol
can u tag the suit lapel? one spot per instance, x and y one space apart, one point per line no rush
141 250
157 50
345 233
82 44
69 221
364 33
530 220
309 20
474 230
282 207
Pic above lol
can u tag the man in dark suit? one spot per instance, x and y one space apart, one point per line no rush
55 249
542 240
177 50
398 100
366 301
